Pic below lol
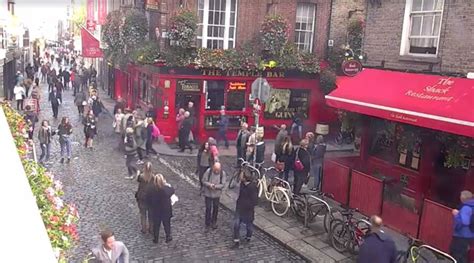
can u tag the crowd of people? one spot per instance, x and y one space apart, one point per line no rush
297 161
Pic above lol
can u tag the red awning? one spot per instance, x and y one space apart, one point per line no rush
90 45
436 102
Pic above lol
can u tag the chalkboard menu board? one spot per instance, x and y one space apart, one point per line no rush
188 85
286 103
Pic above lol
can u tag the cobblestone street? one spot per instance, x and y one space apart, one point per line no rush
94 181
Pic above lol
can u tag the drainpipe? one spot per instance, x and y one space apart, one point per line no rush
328 31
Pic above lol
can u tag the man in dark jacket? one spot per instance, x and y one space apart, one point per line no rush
55 99
184 131
245 208
378 246
241 141
462 234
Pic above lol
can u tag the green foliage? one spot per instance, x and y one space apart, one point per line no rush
457 148
125 35
134 29
327 80
274 33
355 30
148 53
183 28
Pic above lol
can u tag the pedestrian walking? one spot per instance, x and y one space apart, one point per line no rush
55 100
297 126
64 131
463 227
127 122
90 129
245 207
140 139
144 182
20 95
96 105
301 166
223 126
214 152
159 201
281 135
80 101
130 154
185 129
36 94
117 120
44 73
241 141
317 158
31 118
111 251
251 142
66 78
286 157
378 246
203 161
44 137
213 184
28 83
179 121
120 104
152 133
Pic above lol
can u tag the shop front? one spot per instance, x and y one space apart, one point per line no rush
417 134
210 90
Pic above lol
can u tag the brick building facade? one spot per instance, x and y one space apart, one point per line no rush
251 13
444 44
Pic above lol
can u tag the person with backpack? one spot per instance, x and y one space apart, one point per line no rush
31 118
130 154
463 228
213 184
140 139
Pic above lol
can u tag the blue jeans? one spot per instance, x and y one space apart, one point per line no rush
317 172
238 220
222 134
44 152
66 148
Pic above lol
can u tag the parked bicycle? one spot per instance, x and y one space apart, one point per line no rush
277 191
235 178
308 206
347 234
418 252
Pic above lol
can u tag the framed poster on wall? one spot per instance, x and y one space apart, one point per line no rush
286 103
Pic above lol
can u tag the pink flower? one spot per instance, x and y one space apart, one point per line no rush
58 185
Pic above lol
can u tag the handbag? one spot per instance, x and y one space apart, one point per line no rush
298 165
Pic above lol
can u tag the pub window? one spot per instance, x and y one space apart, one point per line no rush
217 23
215 95
422 26
235 100
304 28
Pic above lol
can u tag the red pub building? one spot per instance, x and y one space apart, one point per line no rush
169 89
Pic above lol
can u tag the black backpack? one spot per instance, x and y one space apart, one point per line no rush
220 175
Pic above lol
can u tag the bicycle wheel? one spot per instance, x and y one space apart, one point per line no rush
298 208
340 237
234 180
331 218
280 202
260 188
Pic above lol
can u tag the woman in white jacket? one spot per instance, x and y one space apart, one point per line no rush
19 96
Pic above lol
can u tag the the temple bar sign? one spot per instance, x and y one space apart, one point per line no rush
242 73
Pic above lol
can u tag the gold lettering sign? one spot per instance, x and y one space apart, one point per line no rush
241 73
237 86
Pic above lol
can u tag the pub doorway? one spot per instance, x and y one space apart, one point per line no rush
182 101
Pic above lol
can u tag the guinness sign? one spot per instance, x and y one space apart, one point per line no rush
186 85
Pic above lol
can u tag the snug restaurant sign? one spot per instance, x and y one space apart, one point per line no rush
351 67
186 85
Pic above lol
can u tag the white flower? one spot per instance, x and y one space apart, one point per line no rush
58 203
58 185
64 238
